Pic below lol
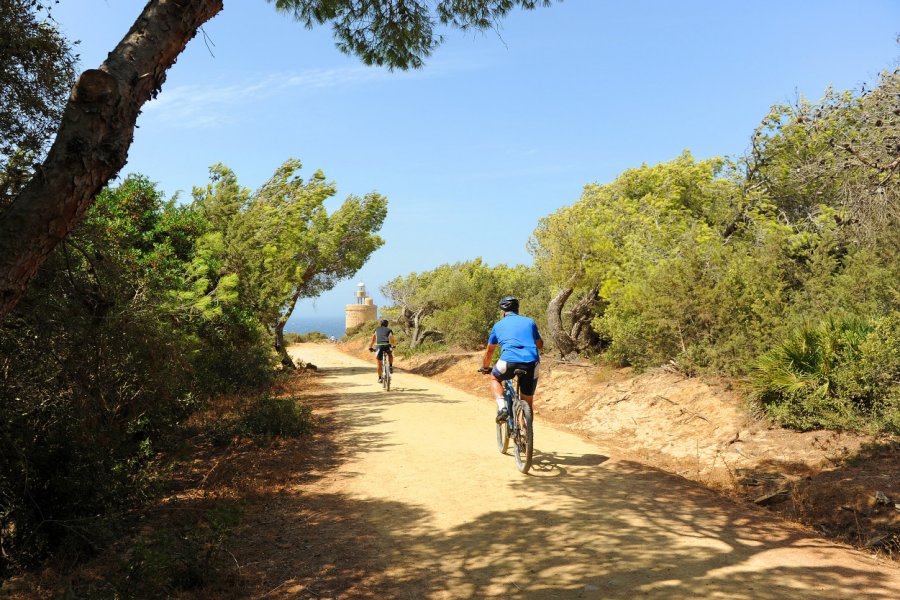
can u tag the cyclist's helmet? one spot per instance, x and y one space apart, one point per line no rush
509 304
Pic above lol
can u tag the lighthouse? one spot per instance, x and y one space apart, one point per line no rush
364 309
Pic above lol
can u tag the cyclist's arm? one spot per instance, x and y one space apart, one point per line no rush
391 339
372 342
488 355
539 343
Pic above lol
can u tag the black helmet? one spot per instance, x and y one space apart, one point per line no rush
509 304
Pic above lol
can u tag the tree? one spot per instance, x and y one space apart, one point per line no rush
457 303
566 249
37 69
277 245
98 123
309 251
599 248
413 305
842 151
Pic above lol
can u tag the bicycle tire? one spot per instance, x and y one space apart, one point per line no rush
503 437
524 442
386 371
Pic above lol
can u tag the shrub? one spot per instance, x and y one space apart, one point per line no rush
302 338
362 330
186 557
842 374
270 417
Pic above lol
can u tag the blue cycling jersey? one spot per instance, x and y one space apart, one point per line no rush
517 337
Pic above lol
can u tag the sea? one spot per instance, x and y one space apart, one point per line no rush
329 325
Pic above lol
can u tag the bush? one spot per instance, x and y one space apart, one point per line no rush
303 338
186 557
362 330
841 374
270 417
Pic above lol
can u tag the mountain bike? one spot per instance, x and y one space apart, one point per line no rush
385 369
518 426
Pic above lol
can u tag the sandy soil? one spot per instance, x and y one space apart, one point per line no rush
411 499
702 430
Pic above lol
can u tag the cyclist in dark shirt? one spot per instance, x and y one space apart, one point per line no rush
383 341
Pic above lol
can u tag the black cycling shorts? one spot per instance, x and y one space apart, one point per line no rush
527 382
381 350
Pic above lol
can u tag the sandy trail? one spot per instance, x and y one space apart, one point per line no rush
416 502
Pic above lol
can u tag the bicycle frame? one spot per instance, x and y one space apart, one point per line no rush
520 433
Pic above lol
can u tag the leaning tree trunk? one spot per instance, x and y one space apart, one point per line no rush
582 313
93 138
564 342
286 359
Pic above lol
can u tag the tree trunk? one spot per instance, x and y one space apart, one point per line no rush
564 342
286 360
582 314
93 138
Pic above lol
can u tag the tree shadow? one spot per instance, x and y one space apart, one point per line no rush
619 532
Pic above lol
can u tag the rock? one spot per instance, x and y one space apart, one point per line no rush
881 498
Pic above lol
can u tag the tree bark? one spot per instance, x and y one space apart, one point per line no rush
582 313
286 360
419 333
564 342
93 138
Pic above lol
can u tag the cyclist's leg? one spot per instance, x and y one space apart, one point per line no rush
498 374
528 385
378 362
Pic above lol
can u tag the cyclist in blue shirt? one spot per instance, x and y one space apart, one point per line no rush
520 344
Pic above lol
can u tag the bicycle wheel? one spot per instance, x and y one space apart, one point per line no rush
502 437
524 442
386 370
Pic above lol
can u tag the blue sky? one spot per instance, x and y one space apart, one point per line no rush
499 128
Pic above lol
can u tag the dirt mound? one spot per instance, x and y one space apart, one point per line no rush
845 485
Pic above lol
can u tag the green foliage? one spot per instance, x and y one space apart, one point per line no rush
841 374
457 304
182 558
37 71
92 379
265 250
262 418
363 330
398 33
302 338
270 417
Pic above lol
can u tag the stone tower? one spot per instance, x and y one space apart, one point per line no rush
363 310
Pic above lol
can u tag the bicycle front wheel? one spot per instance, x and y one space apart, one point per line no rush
502 437
524 442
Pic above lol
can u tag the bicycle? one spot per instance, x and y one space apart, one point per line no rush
385 369
519 425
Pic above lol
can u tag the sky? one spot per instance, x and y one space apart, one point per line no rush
499 128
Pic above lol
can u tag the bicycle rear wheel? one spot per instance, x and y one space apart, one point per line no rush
502 437
386 371
524 438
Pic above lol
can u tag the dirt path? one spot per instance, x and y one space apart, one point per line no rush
414 501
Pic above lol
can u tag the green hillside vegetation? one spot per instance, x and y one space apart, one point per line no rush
780 268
